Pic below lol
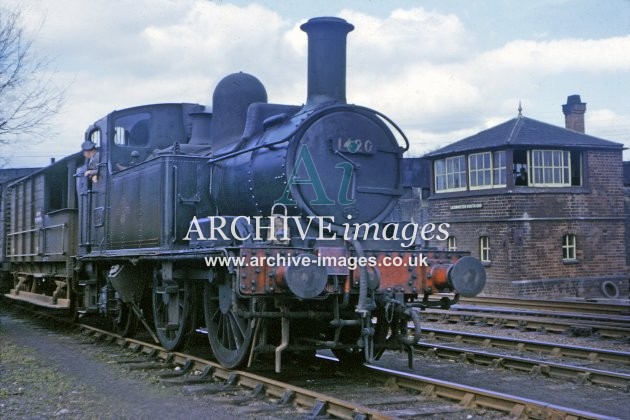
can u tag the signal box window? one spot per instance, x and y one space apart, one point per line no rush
450 174
550 168
498 168
547 168
487 170
480 165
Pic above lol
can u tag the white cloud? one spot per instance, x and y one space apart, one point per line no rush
406 37
609 125
219 38
421 92
558 56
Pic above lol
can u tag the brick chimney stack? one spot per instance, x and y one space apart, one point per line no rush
574 111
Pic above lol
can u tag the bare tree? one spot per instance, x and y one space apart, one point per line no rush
28 96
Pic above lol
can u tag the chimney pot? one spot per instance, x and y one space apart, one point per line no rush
573 112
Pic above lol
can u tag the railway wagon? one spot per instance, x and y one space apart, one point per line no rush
7 176
39 231
263 224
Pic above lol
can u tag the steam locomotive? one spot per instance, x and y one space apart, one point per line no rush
263 224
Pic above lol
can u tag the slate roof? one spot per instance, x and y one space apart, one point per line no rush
523 131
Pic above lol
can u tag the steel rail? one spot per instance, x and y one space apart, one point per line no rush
517 407
587 317
553 349
605 330
583 307
580 374
299 396
466 396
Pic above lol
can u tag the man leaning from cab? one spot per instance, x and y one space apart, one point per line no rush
91 154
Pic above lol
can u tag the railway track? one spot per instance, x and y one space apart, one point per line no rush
578 316
260 393
178 367
604 329
581 374
520 345
205 376
581 307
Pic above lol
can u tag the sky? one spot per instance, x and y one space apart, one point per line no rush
441 69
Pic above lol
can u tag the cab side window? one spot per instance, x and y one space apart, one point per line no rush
95 137
131 142
132 130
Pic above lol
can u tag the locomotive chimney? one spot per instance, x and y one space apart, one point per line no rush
573 112
326 59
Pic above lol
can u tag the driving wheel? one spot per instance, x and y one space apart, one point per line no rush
229 333
173 311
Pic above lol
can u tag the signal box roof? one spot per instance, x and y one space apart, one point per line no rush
525 132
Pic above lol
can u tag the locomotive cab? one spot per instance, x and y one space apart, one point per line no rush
140 161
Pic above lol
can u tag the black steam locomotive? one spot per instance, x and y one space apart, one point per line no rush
262 223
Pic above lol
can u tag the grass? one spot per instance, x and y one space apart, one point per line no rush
24 378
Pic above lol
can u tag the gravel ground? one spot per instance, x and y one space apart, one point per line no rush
45 374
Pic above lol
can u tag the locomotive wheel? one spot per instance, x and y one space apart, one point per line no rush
126 322
230 335
173 312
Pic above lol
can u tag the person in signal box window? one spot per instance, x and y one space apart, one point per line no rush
521 179
90 152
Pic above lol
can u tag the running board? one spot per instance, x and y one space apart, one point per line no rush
39 300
